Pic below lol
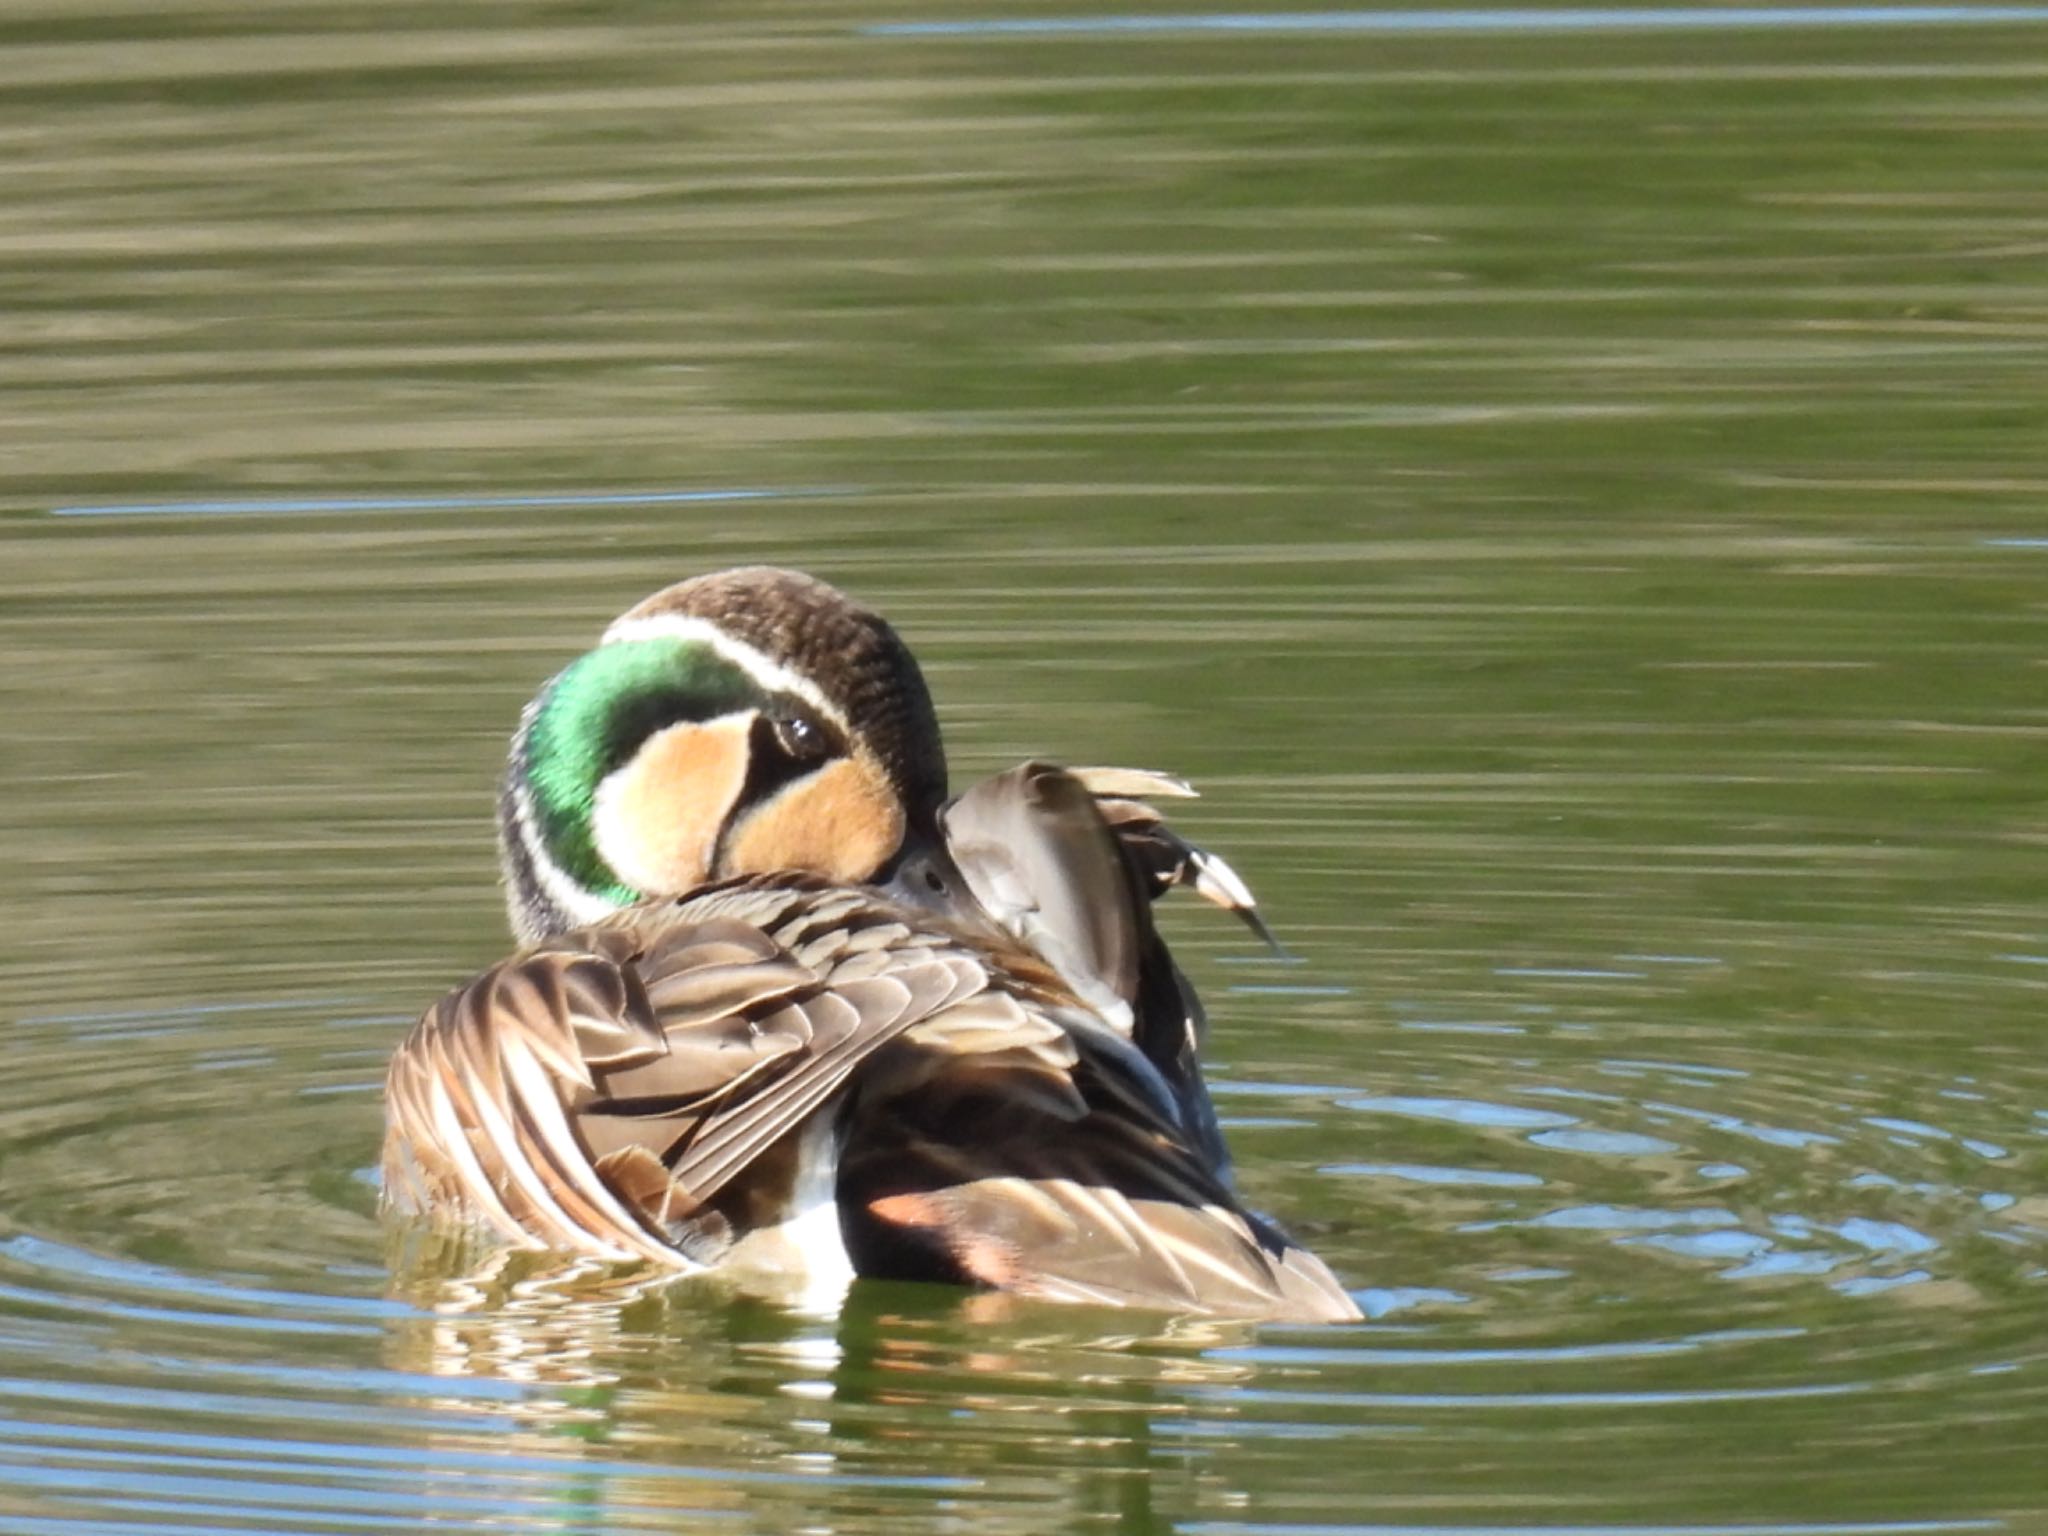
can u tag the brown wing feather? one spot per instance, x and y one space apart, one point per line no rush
1070 871
479 1101
1040 860
599 1093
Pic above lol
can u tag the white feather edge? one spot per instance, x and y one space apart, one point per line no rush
769 673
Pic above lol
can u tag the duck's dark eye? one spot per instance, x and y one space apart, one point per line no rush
801 740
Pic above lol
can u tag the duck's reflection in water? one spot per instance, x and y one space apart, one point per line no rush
1004 1414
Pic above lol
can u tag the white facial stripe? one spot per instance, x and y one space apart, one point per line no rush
569 898
770 674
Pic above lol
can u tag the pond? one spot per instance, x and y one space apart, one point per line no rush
1573 496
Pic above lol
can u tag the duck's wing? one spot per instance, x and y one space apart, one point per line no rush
963 1178
630 1089
1038 852
1038 857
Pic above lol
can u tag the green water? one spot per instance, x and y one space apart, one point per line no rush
1566 500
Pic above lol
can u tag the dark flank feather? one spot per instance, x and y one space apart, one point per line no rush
983 1180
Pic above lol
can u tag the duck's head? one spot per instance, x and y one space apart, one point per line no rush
748 721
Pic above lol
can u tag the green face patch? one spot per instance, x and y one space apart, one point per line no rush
594 716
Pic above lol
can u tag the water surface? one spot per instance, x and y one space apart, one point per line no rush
1573 502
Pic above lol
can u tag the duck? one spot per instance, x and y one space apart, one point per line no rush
784 1010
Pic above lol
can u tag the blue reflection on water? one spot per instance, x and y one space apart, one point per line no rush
1383 1301
1566 973
1674 19
1460 1111
1414 1173
1871 1285
1883 1236
1624 1064
134 1312
1772 1135
1453 1027
153 1279
1616 1218
1906 1127
330 504
1790 1261
1723 1244
1909 1131
1605 1143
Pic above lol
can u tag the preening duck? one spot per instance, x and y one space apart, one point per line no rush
783 1009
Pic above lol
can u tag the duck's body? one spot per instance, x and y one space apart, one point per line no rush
812 1082
856 1032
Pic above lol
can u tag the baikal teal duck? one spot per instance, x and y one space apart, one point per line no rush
786 1012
